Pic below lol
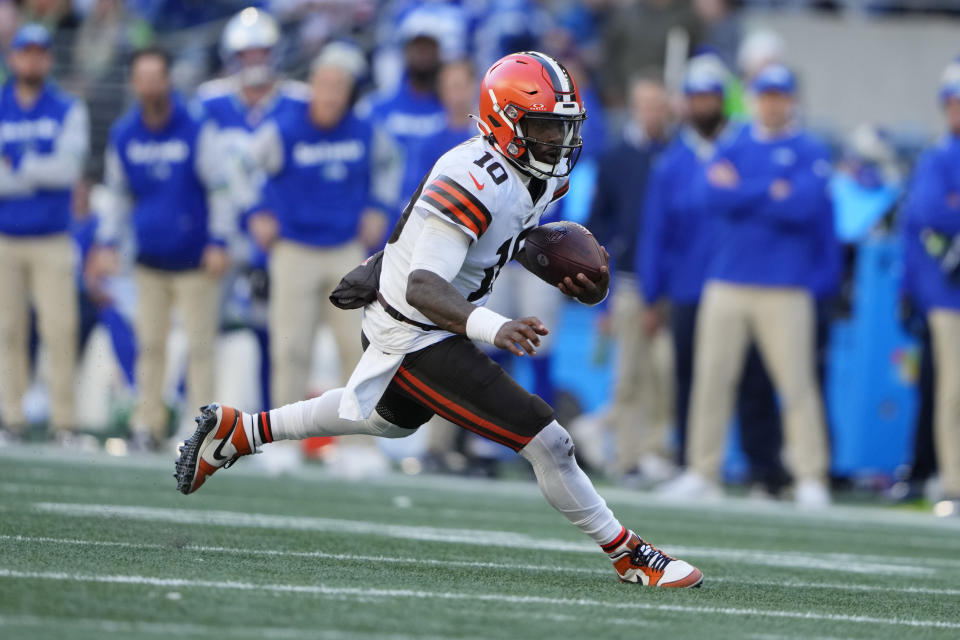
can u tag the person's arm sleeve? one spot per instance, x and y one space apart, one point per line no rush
387 172
116 205
441 248
266 148
220 211
62 168
648 263
459 201
808 189
929 199
740 199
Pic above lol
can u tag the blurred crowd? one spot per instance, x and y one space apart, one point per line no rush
214 168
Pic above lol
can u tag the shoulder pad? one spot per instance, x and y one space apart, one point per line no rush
461 190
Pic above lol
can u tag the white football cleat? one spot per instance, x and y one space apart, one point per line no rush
220 439
639 562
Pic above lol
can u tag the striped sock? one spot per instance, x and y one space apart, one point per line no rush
261 431
614 545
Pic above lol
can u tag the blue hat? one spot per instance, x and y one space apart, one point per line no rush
32 35
705 74
775 77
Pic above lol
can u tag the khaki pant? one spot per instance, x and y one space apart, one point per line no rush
301 279
41 270
781 322
945 334
643 398
197 297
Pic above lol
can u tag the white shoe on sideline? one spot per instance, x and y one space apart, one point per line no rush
811 494
657 469
690 485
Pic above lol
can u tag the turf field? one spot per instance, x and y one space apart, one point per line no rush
94 547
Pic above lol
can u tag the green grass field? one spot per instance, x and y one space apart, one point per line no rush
94 547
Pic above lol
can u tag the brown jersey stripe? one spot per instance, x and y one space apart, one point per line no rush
560 192
442 204
461 410
454 418
476 206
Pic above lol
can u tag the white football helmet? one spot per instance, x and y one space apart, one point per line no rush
251 29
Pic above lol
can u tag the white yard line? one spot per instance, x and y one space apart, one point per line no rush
912 542
466 564
395 594
171 629
844 563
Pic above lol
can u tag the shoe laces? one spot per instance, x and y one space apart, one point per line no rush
647 555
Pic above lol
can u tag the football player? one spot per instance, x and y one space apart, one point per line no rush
468 218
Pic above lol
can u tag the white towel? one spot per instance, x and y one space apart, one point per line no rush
367 383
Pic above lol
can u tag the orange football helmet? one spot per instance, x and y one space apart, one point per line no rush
531 112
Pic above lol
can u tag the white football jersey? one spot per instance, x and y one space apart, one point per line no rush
476 188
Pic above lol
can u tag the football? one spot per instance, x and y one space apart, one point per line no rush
561 249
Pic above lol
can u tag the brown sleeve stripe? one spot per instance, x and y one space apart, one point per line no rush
441 201
466 197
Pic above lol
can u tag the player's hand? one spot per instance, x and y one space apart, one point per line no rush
522 335
373 226
651 321
723 174
586 290
101 263
264 228
215 260
780 189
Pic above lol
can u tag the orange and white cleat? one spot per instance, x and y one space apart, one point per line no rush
220 439
639 562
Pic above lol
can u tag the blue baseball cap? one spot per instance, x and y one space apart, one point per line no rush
705 74
31 35
775 77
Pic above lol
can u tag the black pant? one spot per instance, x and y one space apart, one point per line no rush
458 381
760 432
924 462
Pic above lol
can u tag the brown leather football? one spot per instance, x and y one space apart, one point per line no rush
564 248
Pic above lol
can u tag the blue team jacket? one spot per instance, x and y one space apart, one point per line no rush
46 211
765 242
678 236
324 184
409 118
932 205
170 216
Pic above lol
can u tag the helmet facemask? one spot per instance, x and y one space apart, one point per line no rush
545 145
552 142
